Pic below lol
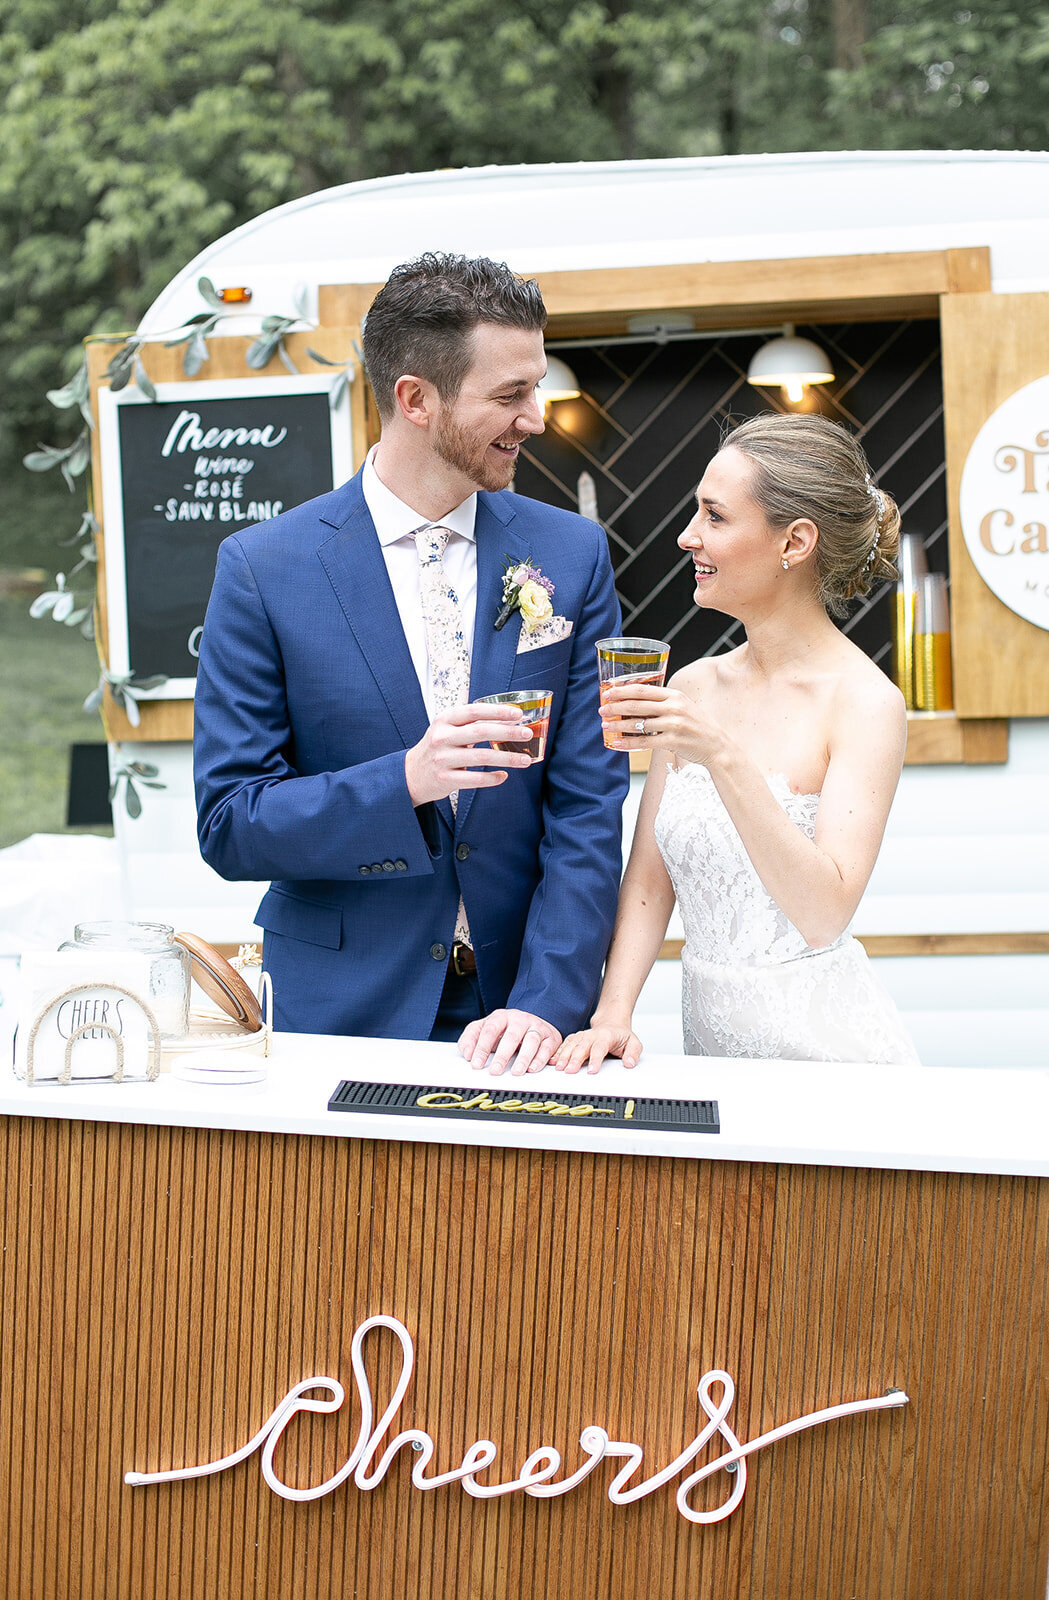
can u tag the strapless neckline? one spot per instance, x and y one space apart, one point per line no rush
775 780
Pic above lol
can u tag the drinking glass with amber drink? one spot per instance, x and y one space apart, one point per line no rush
622 663
534 705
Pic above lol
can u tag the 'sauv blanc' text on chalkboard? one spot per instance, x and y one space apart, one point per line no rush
192 470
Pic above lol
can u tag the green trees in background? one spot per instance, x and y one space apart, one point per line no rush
133 132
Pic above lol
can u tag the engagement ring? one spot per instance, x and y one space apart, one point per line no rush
639 725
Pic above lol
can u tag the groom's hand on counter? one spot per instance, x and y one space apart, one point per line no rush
505 1033
446 756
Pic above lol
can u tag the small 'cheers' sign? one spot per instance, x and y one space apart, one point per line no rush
82 1015
504 1105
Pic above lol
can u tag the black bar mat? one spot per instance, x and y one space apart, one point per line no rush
509 1105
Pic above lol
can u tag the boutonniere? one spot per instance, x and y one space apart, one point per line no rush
527 591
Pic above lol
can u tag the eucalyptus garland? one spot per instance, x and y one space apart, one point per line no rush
63 603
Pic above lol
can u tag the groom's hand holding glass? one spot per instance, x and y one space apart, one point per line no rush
452 754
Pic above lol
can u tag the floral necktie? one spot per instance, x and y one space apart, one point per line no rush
447 648
446 644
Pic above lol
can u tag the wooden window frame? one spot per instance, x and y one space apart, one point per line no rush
718 295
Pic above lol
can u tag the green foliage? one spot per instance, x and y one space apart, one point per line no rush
44 675
124 690
133 132
37 513
933 78
146 773
73 460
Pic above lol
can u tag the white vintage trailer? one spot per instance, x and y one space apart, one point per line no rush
957 912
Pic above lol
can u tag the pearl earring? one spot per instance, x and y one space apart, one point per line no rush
785 564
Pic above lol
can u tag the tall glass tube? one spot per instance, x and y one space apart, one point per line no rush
913 568
933 687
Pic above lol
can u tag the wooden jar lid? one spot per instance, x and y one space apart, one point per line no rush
221 982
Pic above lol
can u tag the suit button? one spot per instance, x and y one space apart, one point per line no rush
462 851
364 871
387 866
439 952
376 866
402 866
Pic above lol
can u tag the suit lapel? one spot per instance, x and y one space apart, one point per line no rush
353 561
493 653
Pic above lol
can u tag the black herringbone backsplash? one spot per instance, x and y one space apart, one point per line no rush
651 416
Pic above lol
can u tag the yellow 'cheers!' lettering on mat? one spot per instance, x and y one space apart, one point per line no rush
448 1100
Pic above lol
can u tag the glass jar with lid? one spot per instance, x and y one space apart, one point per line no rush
168 965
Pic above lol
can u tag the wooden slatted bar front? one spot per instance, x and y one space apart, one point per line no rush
162 1289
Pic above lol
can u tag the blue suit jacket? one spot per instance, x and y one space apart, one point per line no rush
306 703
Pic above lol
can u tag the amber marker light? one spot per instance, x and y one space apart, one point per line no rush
238 296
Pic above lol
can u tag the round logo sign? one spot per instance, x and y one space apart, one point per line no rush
1005 502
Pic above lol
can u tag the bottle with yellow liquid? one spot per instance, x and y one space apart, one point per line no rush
933 688
913 569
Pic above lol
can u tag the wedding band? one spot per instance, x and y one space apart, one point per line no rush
639 725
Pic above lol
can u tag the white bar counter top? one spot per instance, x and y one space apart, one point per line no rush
906 1118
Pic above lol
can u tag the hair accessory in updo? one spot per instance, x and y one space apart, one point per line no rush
879 500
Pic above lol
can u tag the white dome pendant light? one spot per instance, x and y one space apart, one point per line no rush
790 362
560 383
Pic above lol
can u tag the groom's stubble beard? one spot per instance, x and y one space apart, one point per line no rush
467 453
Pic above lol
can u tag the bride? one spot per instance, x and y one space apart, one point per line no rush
773 769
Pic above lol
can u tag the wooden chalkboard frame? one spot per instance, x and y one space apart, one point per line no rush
185 394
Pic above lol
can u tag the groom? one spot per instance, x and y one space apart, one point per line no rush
425 884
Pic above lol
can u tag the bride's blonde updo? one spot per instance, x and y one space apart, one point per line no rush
809 467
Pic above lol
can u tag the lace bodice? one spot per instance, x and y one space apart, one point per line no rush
728 913
750 985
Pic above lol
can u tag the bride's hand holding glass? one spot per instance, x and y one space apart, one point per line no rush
667 720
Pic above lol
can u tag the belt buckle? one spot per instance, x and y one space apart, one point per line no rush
458 949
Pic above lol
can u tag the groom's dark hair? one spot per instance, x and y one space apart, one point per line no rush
422 318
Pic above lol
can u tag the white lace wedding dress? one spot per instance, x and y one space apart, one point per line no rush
751 986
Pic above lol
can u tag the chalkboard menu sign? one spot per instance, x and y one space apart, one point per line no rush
181 473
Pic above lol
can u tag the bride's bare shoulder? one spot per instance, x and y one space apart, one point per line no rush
865 678
701 674
867 696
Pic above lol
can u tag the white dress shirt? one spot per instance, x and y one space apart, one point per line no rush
395 524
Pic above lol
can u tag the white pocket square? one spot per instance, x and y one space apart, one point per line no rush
548 632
